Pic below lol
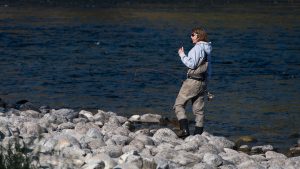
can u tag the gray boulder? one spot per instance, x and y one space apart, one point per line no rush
94 133
64 115
212 159
113 151
131 157
67 125
30 128
250 164
80 120
259 149
150 118
5 131
221 142
149 163
272 155
184 158
166 135
121 140
86 114
292 163
30 113
99 158
129 148
202 166
146 140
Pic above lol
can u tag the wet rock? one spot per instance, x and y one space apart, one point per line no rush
245 139
244 148
23 105
294 151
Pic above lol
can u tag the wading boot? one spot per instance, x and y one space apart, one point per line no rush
198 130
184 128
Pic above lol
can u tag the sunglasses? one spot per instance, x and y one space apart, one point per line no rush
193 34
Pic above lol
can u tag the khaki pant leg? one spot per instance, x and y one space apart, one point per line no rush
198 105
189 89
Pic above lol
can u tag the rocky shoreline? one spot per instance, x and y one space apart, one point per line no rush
65 138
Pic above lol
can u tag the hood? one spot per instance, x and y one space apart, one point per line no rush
206 45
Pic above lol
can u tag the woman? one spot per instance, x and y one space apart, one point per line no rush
194 87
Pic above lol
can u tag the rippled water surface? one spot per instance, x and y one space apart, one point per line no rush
125 60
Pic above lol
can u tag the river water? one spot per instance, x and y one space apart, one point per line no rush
125 60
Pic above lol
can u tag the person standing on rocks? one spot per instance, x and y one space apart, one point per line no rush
194 88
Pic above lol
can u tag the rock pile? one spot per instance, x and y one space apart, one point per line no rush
66 138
